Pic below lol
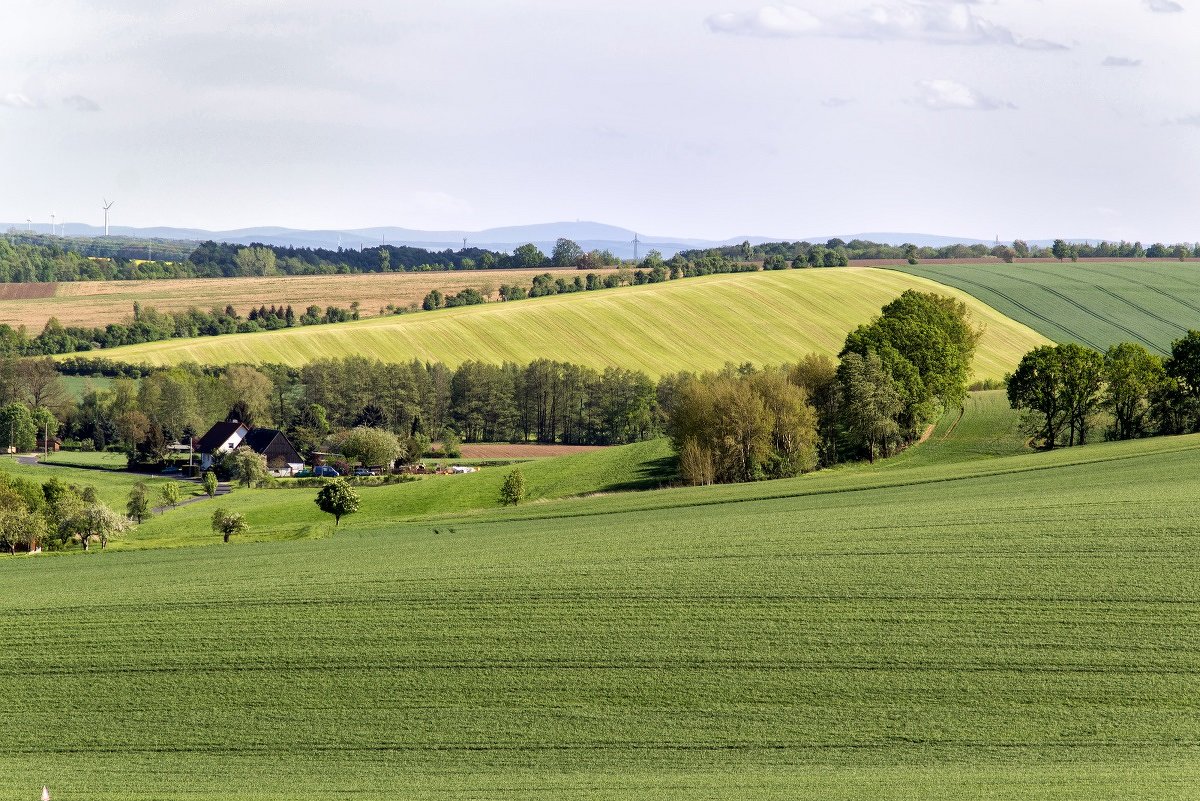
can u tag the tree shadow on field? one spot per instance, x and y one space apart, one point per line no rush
654 474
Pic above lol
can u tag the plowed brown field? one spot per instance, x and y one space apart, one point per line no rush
501 450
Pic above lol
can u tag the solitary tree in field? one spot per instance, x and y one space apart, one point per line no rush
209 483
512 492
170 494
338 499
138 506
227 523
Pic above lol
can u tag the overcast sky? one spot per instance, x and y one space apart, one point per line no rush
705 118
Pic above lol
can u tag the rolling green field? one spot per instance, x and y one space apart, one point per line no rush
698 324
77 386
1097 305
962 625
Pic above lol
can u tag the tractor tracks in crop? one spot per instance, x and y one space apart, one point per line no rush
952 279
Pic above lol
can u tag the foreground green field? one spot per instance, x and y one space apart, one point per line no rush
1151 303
966 627
697 324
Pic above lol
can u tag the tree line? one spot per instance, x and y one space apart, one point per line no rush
833 251
1067 392
544 401
151 325
894 377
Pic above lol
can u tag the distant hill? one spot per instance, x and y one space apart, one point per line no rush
589 235
764 317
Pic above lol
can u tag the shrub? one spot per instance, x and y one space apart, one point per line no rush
512 492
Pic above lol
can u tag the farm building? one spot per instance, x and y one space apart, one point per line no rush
225 437
55 444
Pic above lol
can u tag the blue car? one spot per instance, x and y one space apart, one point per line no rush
325 471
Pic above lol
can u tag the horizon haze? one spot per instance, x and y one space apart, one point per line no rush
725 119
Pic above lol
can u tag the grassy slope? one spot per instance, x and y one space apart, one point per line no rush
1007 628
698 323
986 429
291 513
112 487
78 386
1092 304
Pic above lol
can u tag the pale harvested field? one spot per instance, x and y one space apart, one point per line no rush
522 450
100 302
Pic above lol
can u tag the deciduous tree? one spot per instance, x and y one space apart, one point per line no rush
1132 375
339 499
138 505
249 467
227 523
169 493
209 482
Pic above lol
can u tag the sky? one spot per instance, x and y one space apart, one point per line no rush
699 118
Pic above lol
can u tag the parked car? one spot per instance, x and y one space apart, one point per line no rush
362 472
320 471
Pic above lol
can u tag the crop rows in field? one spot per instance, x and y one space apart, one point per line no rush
1097 305
1018 628
691 324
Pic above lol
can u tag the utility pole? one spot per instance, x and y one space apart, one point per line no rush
635 246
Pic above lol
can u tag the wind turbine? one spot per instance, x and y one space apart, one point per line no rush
107 205
51 224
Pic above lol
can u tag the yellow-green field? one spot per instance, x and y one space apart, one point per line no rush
698 323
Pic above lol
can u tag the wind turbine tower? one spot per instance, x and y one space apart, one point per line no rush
52 224
107 205
636 242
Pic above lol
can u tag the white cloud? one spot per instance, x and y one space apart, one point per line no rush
836 102
766 21
1192 120
80 103
945 95
1121 61
1164 6
935 22
18 100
